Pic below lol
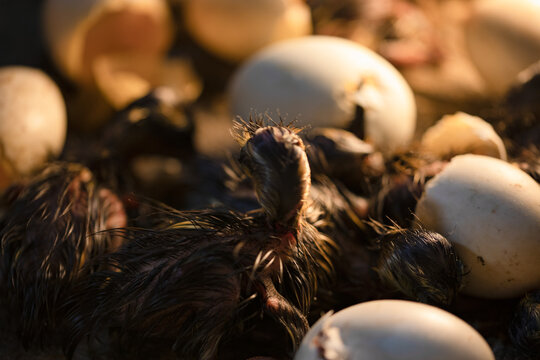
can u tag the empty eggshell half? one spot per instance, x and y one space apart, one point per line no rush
80 31
235 29
32 121
123 78
503 38
393 330
462 133
325 81
490 211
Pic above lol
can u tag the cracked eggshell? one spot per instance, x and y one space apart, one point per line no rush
320 80
462 133
235 29
80 31
503 38
393 329
32 121
490 211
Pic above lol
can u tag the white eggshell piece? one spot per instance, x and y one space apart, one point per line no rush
393 330
490 211
235 29
319 80
503 38
79 31
462 133
32 118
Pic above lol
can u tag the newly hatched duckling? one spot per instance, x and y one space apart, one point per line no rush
376 260
51 227
524 328
208 280
423 265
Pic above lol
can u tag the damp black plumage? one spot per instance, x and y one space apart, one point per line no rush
207 279
419 263
48 231
524 327
377 260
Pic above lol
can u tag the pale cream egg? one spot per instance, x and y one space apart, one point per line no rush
490 211
393 330
325 81
462 133
32 121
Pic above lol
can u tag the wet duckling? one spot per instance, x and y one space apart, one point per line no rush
420 264
206 281
51 226
379 261
524 328
375 260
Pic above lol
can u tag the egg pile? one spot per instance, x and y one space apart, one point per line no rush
420 122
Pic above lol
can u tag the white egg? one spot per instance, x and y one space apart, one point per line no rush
503 38
320 81
393 330
490 211
32 121
78 32
235 29
462 133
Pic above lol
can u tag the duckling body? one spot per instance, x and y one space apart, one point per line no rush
205 280
50 229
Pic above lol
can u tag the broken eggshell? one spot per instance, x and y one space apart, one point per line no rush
235 29
78 32
462 133
490 211
327 81
118 47
32 121
393 329
503 38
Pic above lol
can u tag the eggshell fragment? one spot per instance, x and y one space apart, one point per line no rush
490 211
32 121
392 330
235 29
124 78
503 38
462 133
80 31
326 81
